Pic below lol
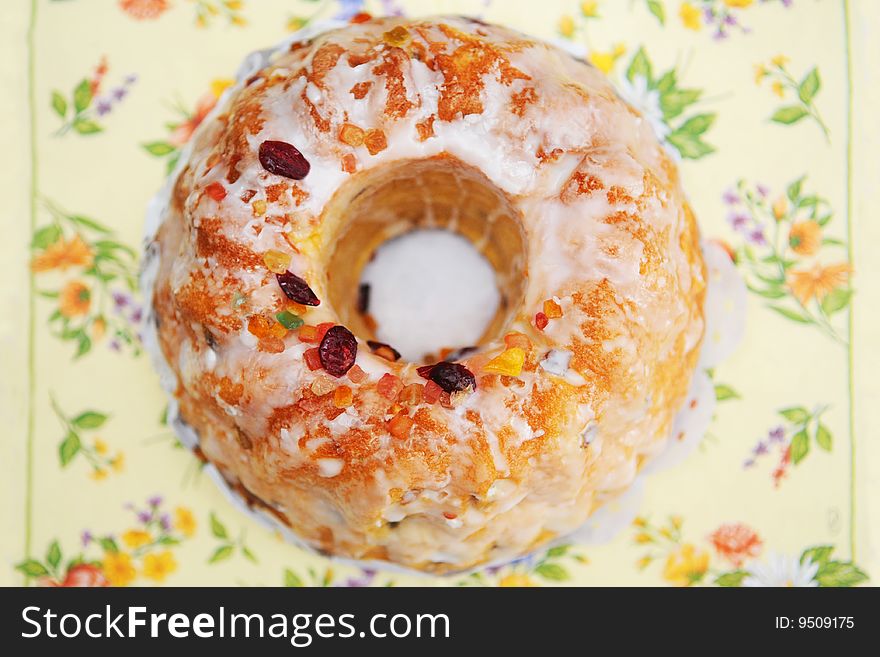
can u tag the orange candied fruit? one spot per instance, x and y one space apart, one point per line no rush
351 134
411 395
520 340
397 36
216 191
375 141
541 321
356 374
322 385
342 397
312 359
552 309
508 362
349 163
360 17
389 386
309 333
400 425
263 327
432 392
276 261
259 207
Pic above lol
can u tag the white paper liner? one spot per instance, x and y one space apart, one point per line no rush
725 325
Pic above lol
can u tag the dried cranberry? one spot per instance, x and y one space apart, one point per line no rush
297 289
338 351
452 377
283 159
385 350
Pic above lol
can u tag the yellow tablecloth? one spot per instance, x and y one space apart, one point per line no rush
769 104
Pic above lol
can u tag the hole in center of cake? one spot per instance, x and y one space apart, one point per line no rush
427 256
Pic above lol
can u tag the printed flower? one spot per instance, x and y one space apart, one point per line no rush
135 538
818 282
118 568
590 9
566 26
184 521
690 16
638 94
760 73
118 462
735 542
185 130
74 299
63 255
516 580
158 566
778 89
144 9
780 207
604 61
780 570
738 4
686 566
805 237
84 575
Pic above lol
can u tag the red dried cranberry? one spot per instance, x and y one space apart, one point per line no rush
283 159
384 350
296 289
338 351
452 377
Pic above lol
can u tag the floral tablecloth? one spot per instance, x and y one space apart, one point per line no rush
770 107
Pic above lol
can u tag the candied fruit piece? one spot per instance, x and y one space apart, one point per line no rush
247 195
272 345
308 333
383 350
288 320
541 321
296 289
338 350
360 17
520 340
452 377
351 134
312 359
411 395
283 159
508 362
260 326
397 36
259 207
349 163
375 141
323 327
216 191
552 309
389 386
276 261
400 426
432 392
356 374
322 385
342 397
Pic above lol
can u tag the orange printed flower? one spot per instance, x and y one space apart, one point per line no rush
686 566
184 521
74 299
805 237
84 575
517 580
183 132
818 282
63 255
735 542
144 9
118 568
158 566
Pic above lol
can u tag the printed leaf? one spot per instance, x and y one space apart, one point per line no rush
734 578
291 579
689 146
45 236
840 573
795 414
53 556
557 551
108 544
666 82
639 66
221 553
86 126
823 437
89 223
675 101
723 392
159 148
819 554
800 446
789 115
697 125
69 448
59 104
794 189
656 8
250 556
82 95
769 293
83 346
552 572
32 568
809 86
217 528
89 420
836 301
790 314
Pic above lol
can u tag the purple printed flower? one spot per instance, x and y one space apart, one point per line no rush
144 516
137 315
119 93
777 435
731 198
165 521
103 107
364 580
114 345
748 463
760 449
757 237
762 190
738 221
86 537
730 19
121 299
155 501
